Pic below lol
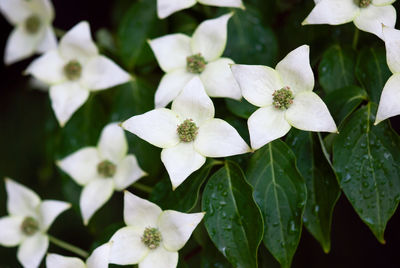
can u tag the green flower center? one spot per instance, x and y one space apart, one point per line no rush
195 64
187 131
106 169
282 98
29 226
32 24
363 3
73 70
151 237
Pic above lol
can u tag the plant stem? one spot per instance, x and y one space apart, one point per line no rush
142 187
355 38
69 247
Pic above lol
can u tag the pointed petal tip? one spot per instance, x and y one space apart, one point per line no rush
304 22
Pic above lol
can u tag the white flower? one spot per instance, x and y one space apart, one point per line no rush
33 31
188 133
152 237
102 169
167 7
367 15
285 97
98 259
27 224
183 58
73 70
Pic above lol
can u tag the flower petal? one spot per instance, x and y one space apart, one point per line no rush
160 257
372 18
295 70
58 261
170 86
128 172
66 98
94 195
113 145
48 68
209 39
20 45
32 250
309 112
140 213
77 43
15 11
257 83
167 7
171 50
21 200
100 256
389 102
157 127
193 103
218 80
217 138
44 8
102 73
181 161
332 12
226 3
49 211
177 227
392 43
48 41
10 231
81 166
382 2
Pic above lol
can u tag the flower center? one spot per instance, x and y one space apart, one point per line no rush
29 226
363 3
195 64
151 237
187 131
282 98
32 24
73 70
106 169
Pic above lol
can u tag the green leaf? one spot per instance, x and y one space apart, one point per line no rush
232 218
372 71
336 69
322 188
366 159
280 192
240 108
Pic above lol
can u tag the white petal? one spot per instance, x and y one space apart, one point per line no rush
218 80
372 18
295 70
113 144
49 211
140 213
225 3
177 227
332 12
81 166
389 102
157 127
309 112
10 231
20 45
160 257
257 83
210 37
171 50
193 103
392 43
382 2
170 86
77 43
102 73
216 138
95 195
48 68
100 256
15 11
48 41
265 125
21 200
44 8
58 261
66 98
32 250
181 161
128 171
167 7
127 246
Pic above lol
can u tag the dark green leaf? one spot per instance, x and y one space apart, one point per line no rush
240 108
280 192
